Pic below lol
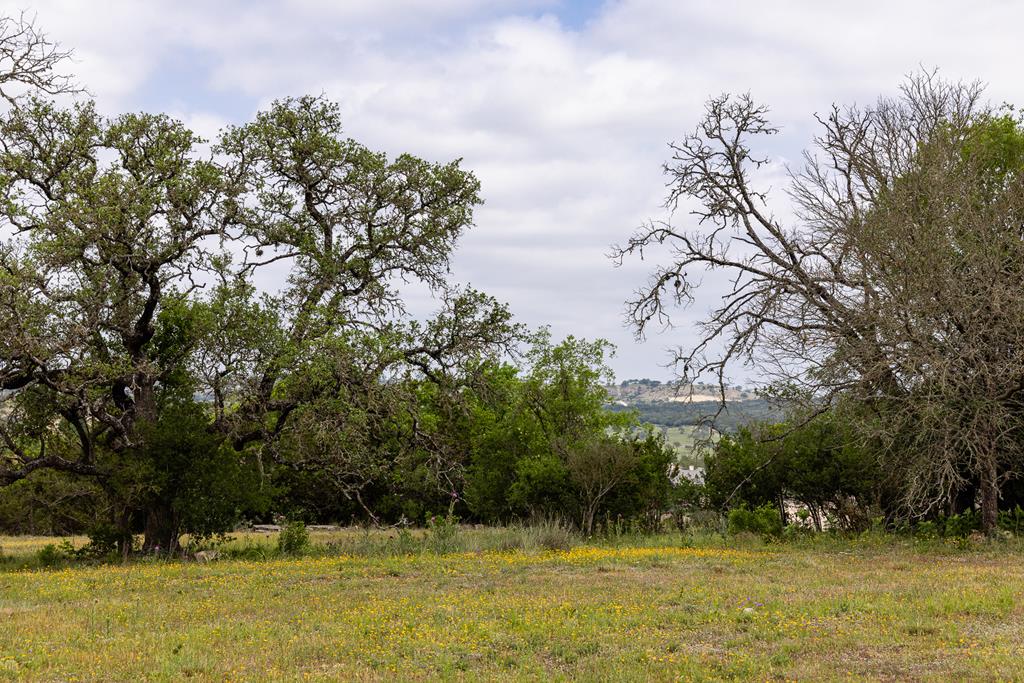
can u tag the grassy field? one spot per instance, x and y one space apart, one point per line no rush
685 440
648 610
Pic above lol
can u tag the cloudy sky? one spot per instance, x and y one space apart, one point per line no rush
562 108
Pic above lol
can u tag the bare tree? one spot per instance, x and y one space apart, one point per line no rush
28 60
897 285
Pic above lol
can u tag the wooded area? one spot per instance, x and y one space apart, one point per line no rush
151 385
152 382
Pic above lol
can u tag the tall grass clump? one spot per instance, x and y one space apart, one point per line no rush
550 534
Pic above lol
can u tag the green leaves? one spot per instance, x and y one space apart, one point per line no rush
352 221
128 287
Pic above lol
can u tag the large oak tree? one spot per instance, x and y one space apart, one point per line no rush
128 287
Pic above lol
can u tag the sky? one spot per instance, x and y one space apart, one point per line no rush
563 109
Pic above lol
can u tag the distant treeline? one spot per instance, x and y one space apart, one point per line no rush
679 414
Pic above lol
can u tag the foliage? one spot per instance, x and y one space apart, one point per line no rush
199 483
895 285
51 503
1012 520
293 538
50 555
765 521
140 362
541 443
496 444
819 464
117 368
442 533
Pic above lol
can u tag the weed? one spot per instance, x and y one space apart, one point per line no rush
442 533
293 539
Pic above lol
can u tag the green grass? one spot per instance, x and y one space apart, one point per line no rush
634 610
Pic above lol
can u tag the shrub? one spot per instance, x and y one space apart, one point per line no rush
794 532
50 555
293 539
442 533
764 521
105 539
1012 520
819 463
926 530
961 526
405 542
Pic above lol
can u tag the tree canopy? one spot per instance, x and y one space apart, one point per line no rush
129 283
194 330
896 284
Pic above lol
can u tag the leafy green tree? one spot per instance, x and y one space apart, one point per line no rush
596 468
189 478
542 441
112 228
500 433
819 463
525 423
648 492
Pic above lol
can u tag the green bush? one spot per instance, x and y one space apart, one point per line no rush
962 525
50 555
442 533
1012 520
293 539
105 539
953 526
764 521
820 464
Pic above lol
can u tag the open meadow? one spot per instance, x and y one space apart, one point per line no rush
362 607
688 443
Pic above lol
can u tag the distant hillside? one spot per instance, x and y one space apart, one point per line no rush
654 391
670 405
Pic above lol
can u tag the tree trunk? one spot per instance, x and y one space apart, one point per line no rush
816 517
126 539
989 497
589 513
162 530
